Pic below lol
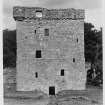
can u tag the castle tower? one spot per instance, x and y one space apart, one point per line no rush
50 49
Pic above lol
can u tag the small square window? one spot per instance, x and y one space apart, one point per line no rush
46 32
62 72
38 54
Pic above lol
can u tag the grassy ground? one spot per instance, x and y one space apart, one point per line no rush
91 96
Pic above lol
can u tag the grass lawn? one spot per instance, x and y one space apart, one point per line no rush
91 96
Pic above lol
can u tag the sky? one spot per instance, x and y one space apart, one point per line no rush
93 9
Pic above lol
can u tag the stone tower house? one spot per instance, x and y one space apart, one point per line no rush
50 49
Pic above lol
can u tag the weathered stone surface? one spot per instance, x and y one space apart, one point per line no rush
60 50
21 13
9 79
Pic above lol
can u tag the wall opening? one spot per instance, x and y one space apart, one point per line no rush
46 32
52 90
39 14
77 39
36 75
73 59
35 31
62 72
38 54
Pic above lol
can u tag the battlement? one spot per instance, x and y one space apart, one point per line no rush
21 13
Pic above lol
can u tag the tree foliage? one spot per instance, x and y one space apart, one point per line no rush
93 43
9 48
93 50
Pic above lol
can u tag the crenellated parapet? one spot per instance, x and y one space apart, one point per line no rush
21 13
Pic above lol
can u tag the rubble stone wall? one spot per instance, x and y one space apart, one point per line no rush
63 49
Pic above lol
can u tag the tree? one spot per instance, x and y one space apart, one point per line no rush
93 49
9 48
90 42
98 58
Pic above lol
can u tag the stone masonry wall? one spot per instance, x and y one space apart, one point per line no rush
62 49
9 79
20 13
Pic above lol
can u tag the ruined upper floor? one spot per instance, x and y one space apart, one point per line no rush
21 13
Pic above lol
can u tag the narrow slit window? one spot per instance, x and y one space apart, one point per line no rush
38 54
46 32
35 31
73 59
77 39
36 75
62 72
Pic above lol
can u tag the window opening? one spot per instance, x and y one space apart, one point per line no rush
46 32
36 75
38 54
35 31
77 39
62 72
52 90
73 59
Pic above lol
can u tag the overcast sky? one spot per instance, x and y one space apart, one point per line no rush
93 9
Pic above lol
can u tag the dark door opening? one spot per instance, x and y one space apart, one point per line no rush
52 90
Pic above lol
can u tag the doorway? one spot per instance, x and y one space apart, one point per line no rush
52 90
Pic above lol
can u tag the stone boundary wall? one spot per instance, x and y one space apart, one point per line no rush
9 79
